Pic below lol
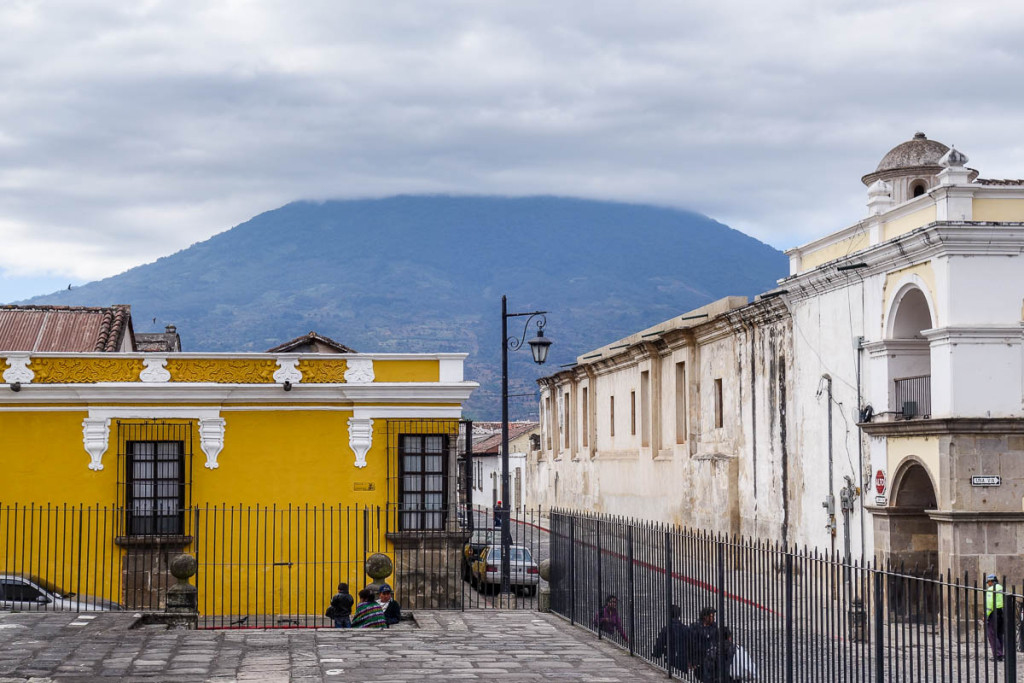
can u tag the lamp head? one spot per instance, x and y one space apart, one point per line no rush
539 347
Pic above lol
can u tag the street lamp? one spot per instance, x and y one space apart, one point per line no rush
539 348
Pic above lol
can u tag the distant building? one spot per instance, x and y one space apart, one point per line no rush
486 476
892 355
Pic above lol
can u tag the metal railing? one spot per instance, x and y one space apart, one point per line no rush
914 397
793 615
259 566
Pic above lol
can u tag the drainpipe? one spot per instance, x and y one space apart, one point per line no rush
830 500
860 446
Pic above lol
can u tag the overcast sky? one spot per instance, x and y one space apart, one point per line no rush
129 130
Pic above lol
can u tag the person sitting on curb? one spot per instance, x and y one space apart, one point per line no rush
607 619
392 610
341 607
368 613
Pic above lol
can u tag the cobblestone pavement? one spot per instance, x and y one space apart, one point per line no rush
479 645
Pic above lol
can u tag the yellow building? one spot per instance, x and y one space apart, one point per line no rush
280 471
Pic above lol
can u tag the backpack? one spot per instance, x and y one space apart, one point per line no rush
330 612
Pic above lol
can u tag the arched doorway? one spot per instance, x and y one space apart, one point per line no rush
909 354
913 544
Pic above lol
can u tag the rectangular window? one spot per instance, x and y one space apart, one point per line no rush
156 488
632 413
154 475
565 421
681 402
645 408
585 409
611 415
547 425
422 481
719 418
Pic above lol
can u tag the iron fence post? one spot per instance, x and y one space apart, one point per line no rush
597 539
879 616
1010 637
669 639
789 618
720 561
632 587
572 570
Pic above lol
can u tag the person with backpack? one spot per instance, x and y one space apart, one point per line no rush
340 609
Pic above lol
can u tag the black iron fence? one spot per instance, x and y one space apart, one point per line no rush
780 614
258 566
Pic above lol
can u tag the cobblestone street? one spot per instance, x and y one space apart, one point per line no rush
480 645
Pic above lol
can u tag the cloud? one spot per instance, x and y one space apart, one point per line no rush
131 130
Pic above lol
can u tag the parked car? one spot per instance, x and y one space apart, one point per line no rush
523 572
23 592
480 539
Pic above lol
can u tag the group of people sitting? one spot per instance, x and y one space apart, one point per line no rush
376 608
700 650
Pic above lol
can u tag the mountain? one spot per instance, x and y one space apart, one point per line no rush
426 273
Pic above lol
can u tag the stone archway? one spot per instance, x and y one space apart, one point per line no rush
913 534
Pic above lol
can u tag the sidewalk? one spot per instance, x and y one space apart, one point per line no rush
477 645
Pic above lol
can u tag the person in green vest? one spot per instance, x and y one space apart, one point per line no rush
994 616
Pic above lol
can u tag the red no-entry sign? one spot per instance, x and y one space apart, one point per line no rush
880 481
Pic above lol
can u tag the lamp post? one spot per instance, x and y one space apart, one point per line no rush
539 347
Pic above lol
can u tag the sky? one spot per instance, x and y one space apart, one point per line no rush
130 130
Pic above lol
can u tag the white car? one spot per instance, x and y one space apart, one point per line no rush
25 593
523 571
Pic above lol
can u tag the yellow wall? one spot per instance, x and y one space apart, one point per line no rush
406 371
909 222
833 251
998 210
287 456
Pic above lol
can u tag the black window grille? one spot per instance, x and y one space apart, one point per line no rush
155 467
423 481
422 462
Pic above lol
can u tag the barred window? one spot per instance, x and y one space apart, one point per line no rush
155 462
423 481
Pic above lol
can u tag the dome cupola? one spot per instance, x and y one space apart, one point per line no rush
911 168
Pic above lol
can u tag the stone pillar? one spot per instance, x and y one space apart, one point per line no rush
428 568
544 597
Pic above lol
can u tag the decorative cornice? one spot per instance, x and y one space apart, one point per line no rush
211 439
360 371
944 426
287 371
156 370
95 437
179 393
360 438
17 369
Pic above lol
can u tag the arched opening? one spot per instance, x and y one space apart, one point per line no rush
918 188
909 355
913 544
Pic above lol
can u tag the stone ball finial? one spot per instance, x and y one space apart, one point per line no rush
379 567
183 567
545 569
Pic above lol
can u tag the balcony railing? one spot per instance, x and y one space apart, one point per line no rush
913 397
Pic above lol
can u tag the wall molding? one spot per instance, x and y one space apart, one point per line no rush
360 438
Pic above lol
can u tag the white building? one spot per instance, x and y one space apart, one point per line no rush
486 477
900 336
